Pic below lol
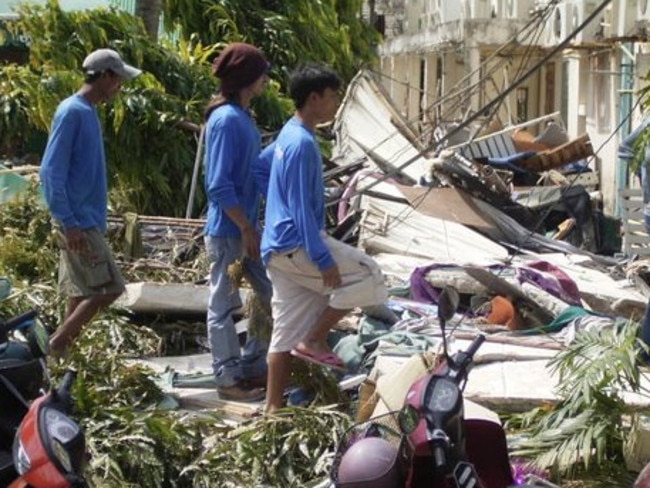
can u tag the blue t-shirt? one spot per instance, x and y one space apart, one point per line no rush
295 203
232 150
73 168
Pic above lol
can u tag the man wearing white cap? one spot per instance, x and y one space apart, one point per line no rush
73 177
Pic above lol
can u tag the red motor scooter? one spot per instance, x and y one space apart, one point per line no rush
49 450
40 446
429 442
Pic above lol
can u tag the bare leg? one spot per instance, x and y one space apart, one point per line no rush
316 341
277 379
80 311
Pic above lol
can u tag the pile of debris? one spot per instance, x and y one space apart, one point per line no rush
507 201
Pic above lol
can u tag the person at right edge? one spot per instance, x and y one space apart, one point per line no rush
627 152
316 279
232 233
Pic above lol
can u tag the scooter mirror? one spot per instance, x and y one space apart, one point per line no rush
408 419
448 303
5 288
38 339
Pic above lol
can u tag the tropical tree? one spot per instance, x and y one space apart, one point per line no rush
289 31
151 129
149 11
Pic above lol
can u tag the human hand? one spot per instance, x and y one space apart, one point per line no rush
251 242
75 240
331 277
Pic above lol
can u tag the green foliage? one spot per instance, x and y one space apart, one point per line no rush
27 248
150 150
289 32
585 429
288 449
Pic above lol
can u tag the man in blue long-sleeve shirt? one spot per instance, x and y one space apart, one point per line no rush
316 279
73 175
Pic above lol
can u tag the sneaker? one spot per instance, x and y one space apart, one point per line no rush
240 393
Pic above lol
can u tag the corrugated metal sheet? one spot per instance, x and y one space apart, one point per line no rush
368 125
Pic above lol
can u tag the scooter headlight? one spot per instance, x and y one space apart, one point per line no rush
62 455
22 463
63 439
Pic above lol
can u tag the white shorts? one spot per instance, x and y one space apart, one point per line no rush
299 297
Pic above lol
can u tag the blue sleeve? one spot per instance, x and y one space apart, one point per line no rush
220 155
56 166
263 168
301 179
626 148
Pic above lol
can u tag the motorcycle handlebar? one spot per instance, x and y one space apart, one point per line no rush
474 346
68 380
14 322
461 361
439 457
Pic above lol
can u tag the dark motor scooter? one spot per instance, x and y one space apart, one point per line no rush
429 442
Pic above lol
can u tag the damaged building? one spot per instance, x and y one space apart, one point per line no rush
585 60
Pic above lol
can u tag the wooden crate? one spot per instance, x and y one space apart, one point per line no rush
636 240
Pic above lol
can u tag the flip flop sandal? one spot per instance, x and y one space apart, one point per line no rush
325 359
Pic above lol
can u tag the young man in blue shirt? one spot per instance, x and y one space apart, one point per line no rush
73 176
234 194
316 279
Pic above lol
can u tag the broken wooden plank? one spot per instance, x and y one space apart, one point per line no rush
208 399
570 152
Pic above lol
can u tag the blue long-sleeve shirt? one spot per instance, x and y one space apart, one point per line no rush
232 151
295 203
263 172
73 168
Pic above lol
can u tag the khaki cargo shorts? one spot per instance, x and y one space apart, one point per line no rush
92 272
299 297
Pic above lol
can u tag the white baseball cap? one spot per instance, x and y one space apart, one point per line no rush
107 59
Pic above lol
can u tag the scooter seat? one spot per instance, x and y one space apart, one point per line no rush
24 376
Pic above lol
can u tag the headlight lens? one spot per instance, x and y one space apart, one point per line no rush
22 462
60 431
62 455
59 426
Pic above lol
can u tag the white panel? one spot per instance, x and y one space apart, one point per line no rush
497 9
477 9
561 21
451 10
643 10
581 9
624 18
518 9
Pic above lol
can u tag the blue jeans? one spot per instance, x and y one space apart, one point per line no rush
229 363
